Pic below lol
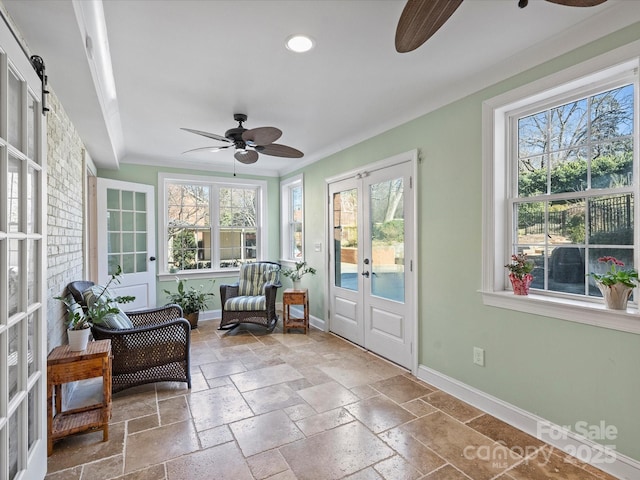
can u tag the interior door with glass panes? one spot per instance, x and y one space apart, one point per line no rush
371 289
23 319
126 238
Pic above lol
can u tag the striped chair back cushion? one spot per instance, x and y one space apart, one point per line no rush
254 276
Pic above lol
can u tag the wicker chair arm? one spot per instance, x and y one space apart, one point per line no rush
228 291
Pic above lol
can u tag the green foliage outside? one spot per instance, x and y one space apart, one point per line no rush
184 249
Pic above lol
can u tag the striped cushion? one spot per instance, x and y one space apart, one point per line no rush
246 303
253 277
115 321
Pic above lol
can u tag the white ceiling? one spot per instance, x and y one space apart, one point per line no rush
182 63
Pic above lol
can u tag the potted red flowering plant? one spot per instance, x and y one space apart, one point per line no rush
520 270
616 284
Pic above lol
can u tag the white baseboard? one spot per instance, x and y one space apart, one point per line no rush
584 449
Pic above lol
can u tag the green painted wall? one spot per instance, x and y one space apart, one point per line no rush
563 371
149 176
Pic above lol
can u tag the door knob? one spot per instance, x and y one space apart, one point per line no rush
365 274
152 259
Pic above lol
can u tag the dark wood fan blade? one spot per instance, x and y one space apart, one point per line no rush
261 135
209 149
578 3
277 150
246 156
208 135
420 19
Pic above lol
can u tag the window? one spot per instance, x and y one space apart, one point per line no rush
291 191
211 224
560 182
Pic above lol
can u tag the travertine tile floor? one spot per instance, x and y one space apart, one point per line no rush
296 406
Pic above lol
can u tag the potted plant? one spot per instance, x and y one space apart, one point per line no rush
296 273
616 284
191 300
520 276
80 318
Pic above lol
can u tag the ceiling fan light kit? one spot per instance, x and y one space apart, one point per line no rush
248 143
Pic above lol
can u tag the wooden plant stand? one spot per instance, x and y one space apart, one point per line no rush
64 366
295 297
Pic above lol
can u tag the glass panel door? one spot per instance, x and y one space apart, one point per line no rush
345 238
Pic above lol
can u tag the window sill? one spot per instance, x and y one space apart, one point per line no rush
571 310
166 276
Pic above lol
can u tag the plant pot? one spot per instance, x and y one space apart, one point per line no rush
521 285
78 339
193 319
615 296
297 284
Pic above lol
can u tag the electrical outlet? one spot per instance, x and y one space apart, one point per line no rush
478 356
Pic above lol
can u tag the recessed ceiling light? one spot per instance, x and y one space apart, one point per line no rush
300 43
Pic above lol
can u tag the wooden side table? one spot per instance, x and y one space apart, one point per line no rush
64 366
295 297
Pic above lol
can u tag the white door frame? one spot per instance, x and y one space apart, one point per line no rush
413 157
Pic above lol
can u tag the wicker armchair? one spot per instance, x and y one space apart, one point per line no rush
157 349
253 298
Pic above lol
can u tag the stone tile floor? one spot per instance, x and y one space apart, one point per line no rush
294 406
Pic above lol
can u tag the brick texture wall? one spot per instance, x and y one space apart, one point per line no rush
65 196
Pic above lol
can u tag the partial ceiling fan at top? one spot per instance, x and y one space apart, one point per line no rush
248 143
420 19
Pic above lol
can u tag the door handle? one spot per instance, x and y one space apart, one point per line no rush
365 274
366 261
152 259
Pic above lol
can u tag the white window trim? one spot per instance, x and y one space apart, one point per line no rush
285 210
164 178
495 180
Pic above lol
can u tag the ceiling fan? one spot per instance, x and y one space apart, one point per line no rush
420 19
248 143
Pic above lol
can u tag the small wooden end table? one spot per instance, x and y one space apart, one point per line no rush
64 366
295 297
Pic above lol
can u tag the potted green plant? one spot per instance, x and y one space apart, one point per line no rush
80 318
192 300
616 284
296 273
520 276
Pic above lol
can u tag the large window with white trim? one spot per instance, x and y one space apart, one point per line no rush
292 214
210 224
560 179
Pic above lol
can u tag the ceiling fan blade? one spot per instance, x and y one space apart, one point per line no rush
420 19
261 135
277 150
578 3
246 156
207 134
208 149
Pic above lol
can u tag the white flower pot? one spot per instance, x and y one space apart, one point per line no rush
78 339
297 284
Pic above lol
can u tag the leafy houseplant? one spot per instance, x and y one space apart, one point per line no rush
520 270
296 273
191 300
616 284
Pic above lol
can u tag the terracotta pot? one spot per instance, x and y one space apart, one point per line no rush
193 319
521 285
615 296
78 339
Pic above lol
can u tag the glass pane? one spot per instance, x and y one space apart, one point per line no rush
568 125
533 135
531 226
236 245
113 221
611 220
567 222
569 171
532 176
128 263
32 271
141 242
127 242
14 358
141 262
612 113
32 117
188 205
567 269
113 261
15 111
141 202
32 200
141 222
237 207
127 200
612 164
624 255
31 345
387 239
32 418
13 194
345 238
15 279
113 199
127 221
13 444
114 243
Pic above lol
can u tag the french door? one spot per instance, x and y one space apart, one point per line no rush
126 237
371 261
23 301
